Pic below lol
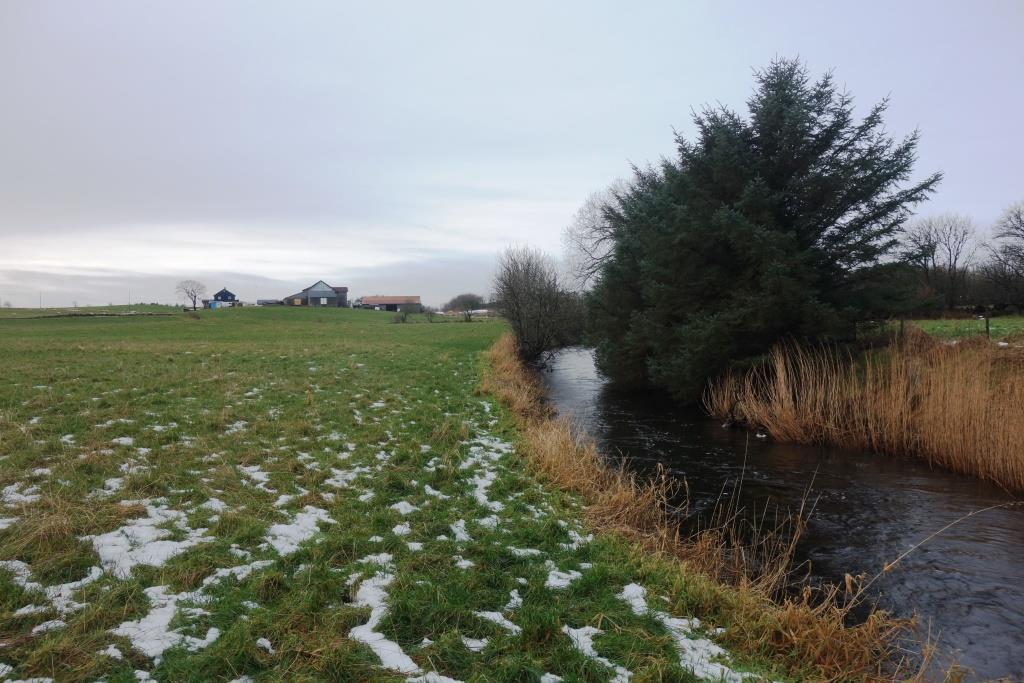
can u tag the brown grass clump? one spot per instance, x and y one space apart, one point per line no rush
957 406
743 577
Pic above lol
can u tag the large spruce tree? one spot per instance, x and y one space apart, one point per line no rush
764 227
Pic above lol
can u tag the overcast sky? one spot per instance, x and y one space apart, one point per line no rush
397 147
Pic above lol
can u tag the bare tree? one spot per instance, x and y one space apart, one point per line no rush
465 304
1005 269
942 248
191 290
542 313
588 240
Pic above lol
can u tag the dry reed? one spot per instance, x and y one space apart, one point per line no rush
745 575
958 406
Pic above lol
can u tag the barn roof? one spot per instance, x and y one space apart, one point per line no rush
385 300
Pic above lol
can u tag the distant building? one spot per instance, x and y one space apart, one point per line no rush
391 303
222 299
319 294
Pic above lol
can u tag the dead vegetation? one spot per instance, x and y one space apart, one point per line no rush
743 572
957 406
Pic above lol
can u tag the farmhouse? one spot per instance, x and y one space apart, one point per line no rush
392 303
222 299
319 294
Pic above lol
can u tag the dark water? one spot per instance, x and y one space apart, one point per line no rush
965 585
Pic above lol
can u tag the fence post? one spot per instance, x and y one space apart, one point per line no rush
901 328
988 330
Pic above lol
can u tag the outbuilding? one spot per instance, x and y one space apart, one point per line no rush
392 303
319 294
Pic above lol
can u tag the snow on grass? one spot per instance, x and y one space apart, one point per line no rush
500 619
474 644
404 508
123 441
583 640
459 530
16 495
557 579
515 601
46 626
255 474
431 491
152 635
236 427
340 479
372 593
695 652
286 538
143 541
576 541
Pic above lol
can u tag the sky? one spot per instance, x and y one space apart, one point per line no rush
398 147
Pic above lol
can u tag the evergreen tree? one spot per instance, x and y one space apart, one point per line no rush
773 225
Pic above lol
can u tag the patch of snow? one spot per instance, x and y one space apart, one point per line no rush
459 530
499 619
112 652
474 644
490 522
514 600
152 636
236 427
404 508
402 529
557 579
123 441
372 593
431 491
695 652
52 625
16 495
576 540
285 538
583 640
265 644
142 541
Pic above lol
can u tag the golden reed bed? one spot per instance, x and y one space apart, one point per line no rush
958 406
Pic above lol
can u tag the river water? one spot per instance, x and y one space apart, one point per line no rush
966 585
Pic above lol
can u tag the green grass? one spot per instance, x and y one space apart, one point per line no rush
119 309
1001 327
303 396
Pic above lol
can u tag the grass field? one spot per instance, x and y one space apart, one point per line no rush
278 494
1001 328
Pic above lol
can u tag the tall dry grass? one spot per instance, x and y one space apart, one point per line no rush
959 406
745 575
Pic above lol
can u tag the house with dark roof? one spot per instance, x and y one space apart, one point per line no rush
319 294
392 303
222 299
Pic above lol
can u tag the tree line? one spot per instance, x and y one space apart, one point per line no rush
793 220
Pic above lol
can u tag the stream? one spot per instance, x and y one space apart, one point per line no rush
965 585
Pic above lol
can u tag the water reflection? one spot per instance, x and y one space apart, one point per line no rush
967 584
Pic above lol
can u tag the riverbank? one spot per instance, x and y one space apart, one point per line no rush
271 495
807 632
